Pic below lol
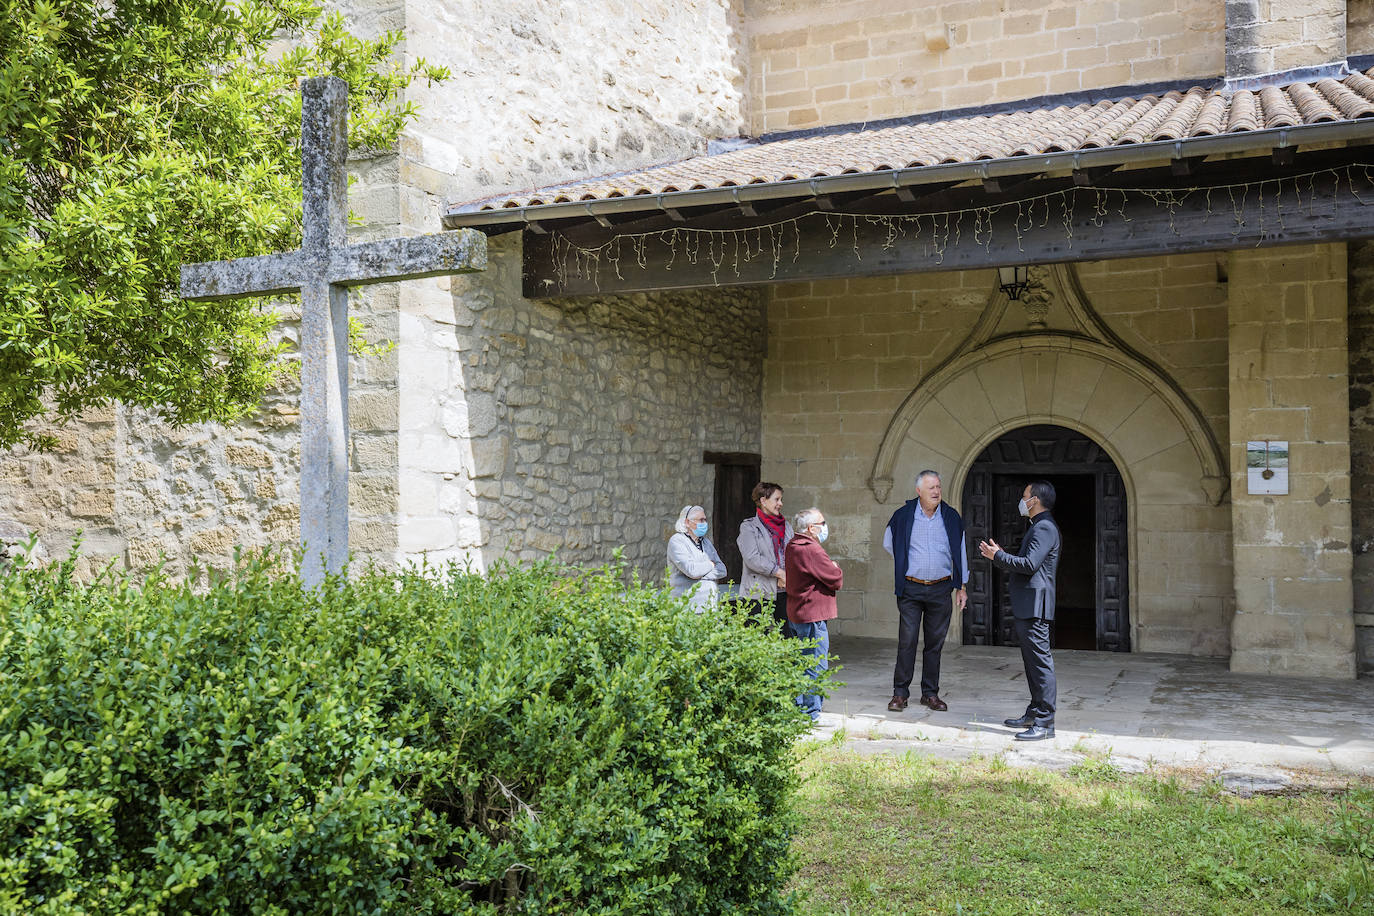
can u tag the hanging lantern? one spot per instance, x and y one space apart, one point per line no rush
1013 280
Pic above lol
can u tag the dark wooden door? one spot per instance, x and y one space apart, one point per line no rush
1008 529
979 618
736 474
1113 629
1084 474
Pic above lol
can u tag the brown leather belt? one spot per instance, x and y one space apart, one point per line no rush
928 581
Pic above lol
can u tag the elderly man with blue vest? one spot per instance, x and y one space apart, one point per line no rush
929 560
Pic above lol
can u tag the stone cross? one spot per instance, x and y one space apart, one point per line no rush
322 270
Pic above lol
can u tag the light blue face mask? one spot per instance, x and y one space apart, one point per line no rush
823 533
700 529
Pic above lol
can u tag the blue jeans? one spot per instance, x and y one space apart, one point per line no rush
810 702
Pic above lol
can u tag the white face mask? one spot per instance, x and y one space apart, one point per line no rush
1023 508
822 533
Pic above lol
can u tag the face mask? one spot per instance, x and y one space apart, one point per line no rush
700 529
1023 509
822 533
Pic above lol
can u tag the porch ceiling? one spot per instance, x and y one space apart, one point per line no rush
1183 126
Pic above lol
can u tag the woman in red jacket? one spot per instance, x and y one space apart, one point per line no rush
812 581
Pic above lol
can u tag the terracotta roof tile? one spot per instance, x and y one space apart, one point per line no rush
1244 112
1174 115
1278 110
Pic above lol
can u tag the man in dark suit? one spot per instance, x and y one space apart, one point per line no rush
1032 604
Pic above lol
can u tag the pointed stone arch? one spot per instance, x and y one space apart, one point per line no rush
1086 377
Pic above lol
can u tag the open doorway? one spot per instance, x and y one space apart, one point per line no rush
1075 511
1091 609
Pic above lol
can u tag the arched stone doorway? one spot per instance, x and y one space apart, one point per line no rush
1092 610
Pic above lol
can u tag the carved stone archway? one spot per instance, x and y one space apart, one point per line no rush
1084 376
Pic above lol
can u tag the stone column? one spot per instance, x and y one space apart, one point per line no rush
1279 36
1289 380
1362 445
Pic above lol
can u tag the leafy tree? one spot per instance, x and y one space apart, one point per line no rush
136 135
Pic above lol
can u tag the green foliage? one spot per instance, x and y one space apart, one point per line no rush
137 135
1352 832
526 741
1096 769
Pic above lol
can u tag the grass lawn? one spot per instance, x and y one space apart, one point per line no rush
910 834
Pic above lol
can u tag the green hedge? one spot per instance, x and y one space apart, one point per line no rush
531 741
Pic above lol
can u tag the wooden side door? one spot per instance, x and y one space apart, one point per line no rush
736 474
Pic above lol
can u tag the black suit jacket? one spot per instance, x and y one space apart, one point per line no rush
1033 569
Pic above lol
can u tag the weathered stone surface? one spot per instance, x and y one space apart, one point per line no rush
247 456
215 540
1293 558
1248 781
321 270
572 411
1133 765
1272 37
817 62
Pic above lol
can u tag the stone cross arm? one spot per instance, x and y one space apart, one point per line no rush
322 269
413 258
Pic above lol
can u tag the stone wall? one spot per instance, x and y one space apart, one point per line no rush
1289 367
844 356
549 92
575 426
1359 27
814 63
1174 311
68 493
1270 36
1361 318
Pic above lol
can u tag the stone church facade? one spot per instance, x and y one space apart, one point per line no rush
507 426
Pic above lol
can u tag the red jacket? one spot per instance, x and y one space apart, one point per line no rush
812 581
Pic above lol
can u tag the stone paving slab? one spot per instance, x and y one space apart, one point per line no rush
1176 711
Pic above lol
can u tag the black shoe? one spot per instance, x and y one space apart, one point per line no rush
1021 722
1036 733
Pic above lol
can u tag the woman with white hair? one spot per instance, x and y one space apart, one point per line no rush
694 567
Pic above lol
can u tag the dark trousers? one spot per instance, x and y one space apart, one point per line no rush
921 607
757 611
1034 635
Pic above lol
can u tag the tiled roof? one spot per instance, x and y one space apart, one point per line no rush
1174 115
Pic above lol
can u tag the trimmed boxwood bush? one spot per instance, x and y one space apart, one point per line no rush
532 740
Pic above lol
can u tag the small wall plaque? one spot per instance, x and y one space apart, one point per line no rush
1266 466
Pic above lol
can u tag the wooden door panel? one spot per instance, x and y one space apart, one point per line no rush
978 613
1010 528
1113 627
